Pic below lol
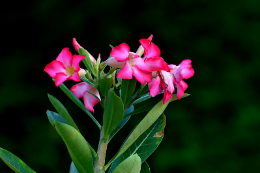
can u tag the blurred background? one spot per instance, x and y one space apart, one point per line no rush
216 129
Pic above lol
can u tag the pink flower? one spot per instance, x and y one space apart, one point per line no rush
167 80
131 64
77 46
64 67
81 90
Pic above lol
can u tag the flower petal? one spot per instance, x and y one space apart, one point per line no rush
60 78
187 73
139 62
112 62
168 79
120 52
76 44
153 51
156 64
76 60
154 86
126 72
166 96
54 67
65 57
80 88
141 76
181 87
145 43
75 77
89 100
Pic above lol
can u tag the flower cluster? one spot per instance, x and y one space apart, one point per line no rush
145 65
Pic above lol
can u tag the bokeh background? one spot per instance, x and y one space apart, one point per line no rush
216 129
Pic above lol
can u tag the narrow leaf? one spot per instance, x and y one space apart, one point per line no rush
130 165
147 121
123 122
144 106
105 85
53 116
145 168
14 162
78 103
146 144
88 82
77 146
113 113
127 89
87 60
62 111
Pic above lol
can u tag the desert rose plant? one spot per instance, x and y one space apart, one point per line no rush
135 83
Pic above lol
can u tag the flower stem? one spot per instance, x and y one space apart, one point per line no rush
102 148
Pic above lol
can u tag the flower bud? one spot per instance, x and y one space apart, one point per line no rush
82 72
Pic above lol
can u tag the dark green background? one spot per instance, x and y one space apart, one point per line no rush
215 130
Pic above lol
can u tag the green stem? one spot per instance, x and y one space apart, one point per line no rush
102 148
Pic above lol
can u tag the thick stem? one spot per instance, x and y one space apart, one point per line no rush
102 148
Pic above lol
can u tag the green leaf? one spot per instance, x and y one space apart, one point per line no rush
78 103
105 85
113 113
147 121
87 60
88 82
145 168
127 89
14 162
62 111
143 98
53 116
73 168
144 106
77 146
130 165
123 122
146 144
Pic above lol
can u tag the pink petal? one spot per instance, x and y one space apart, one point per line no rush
154 86
145 43
150 37
60 78
80 88
89 100
76 60
132 55
54 67
153 51
76 44
141 76
186 62
166 96
112 62
168 80
126 72
75 77
120 52
65 57
181 87
156 64
139 62
187 73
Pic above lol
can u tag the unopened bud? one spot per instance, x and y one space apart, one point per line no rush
82 72
140 50
97 64
88 75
